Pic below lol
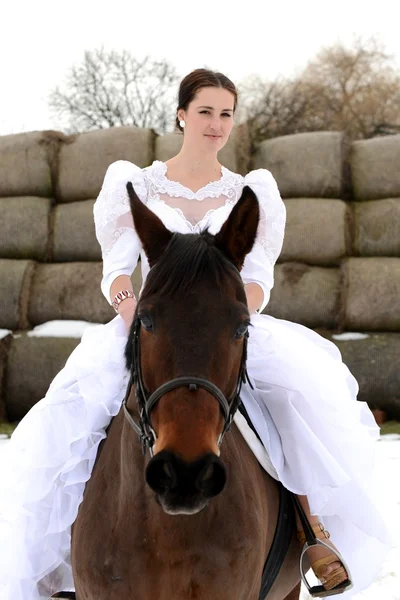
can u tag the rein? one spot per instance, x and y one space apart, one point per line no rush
146 402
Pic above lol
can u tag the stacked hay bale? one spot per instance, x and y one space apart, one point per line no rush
340 264
339 269
50 260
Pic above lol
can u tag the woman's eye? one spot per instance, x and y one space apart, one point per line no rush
146 323
204 112
226 115
241 331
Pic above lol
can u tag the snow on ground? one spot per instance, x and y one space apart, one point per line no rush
387 586
72 329
348 335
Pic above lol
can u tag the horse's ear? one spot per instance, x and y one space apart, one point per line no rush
238 233
152 232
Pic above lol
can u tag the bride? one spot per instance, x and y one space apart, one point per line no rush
319 438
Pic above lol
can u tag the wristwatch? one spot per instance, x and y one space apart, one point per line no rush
120 297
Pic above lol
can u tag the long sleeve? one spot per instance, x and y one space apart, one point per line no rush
115 232
259 263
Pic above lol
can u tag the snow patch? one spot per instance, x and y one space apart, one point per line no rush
71 329
349 336
4 333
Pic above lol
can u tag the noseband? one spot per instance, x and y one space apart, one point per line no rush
146 402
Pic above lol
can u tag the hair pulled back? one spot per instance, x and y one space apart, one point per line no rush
200 78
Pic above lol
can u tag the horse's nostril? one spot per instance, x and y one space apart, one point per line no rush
209 473
167 470
212 479
160 473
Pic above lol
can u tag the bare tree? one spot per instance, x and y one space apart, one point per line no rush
356 90
109 89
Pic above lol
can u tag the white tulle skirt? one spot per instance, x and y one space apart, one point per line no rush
320 441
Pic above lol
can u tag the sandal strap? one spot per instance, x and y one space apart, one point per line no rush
318 529
324 562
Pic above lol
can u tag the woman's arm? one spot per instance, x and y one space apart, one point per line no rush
255 296
127 307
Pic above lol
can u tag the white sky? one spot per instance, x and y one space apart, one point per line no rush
41 39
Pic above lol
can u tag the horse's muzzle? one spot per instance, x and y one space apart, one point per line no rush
185 488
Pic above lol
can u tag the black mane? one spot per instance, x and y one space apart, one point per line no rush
188 259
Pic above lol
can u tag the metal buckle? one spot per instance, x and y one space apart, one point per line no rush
314 591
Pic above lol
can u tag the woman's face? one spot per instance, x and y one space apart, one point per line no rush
209 118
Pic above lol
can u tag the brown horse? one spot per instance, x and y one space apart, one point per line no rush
196 520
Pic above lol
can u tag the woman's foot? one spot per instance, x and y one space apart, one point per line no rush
326 566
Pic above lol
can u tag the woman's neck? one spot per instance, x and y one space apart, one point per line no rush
193 164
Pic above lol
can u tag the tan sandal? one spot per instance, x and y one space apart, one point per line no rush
338 580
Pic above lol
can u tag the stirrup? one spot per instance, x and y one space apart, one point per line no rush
318 591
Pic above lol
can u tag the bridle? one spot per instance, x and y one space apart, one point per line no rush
146 402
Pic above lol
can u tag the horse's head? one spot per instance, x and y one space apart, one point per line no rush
191 321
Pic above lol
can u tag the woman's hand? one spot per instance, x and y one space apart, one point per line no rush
127 309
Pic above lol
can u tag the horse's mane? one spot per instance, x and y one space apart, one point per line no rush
189 259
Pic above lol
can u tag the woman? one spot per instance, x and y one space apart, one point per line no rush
319 439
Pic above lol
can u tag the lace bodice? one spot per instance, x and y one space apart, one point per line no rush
185 211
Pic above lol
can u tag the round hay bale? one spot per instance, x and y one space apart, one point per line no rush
33 362
84 162
375 169
5 343
136 279
168 145
305 295
68 291
317 231
377 227
24 227
306 164
24 166
16 277
374 362
371 293
74 237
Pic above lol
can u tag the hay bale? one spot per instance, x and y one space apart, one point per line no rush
317 231
5 343
136 280
16 277
306 295
371 294
306 164
68 291
167 146
377 227
24 227
170 144
84 162
33 362
24 166
374 362
74 236
375 169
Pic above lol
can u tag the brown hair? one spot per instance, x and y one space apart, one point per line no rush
200 78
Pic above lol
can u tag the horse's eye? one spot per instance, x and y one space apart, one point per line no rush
146 323
241 331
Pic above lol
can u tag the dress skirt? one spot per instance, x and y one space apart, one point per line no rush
319 438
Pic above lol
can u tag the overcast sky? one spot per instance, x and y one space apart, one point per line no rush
41 39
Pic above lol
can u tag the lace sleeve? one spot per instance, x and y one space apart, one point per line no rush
259 263
120 245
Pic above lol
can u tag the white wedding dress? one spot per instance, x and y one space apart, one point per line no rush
319 439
